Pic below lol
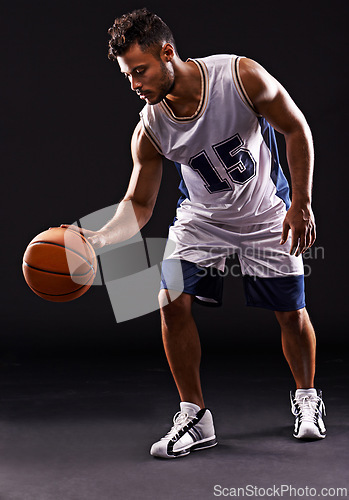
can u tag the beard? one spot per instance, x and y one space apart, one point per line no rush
166 83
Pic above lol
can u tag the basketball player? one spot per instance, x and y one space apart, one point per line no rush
214 118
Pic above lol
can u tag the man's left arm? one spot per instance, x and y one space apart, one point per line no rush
272 101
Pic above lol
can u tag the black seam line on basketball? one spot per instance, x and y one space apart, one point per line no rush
59 294
80 234
62 246
54 272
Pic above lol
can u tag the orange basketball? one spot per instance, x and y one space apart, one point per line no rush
59 264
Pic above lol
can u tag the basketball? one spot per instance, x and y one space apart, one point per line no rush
59 264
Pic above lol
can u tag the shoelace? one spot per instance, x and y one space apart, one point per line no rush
179 420
309 410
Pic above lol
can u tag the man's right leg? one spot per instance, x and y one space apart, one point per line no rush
182 345
193 427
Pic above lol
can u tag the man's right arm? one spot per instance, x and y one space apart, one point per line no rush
136 208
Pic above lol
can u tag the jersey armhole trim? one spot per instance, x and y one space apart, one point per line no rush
240 87
151 137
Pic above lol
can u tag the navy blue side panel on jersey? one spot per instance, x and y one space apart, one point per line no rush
276 174
182 186
277 294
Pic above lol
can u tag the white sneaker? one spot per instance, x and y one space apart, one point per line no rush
189 433
308 408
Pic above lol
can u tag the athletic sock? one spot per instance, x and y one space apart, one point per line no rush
190 408
301 393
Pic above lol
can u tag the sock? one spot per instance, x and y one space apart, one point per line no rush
301 393
190 408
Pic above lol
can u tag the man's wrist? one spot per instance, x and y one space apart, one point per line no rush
301 201
102 238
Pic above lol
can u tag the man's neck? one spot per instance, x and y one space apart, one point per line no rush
185 96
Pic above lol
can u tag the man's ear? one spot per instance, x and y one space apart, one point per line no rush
167 52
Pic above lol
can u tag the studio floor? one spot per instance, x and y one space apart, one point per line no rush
81 428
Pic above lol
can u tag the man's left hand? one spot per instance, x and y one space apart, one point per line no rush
300 220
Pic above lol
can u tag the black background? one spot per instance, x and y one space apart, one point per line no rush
67 117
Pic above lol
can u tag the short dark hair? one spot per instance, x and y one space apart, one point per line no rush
141 26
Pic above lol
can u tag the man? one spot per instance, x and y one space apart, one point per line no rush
214 117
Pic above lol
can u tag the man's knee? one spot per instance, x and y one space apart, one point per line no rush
293 319
173 304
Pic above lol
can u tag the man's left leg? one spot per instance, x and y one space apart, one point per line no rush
299 347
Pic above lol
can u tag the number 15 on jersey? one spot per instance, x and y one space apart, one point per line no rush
237 161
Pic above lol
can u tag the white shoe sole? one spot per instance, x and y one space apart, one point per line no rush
309 433
196 446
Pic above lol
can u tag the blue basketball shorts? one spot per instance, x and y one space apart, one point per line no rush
196 264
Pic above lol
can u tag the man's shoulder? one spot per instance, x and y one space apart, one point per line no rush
217 58
217 63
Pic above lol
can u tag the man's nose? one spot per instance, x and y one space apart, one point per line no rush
135 84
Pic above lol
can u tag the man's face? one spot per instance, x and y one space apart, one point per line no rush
151 77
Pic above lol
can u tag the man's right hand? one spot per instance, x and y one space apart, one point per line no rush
95 238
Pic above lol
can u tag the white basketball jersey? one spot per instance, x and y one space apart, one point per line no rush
225 153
